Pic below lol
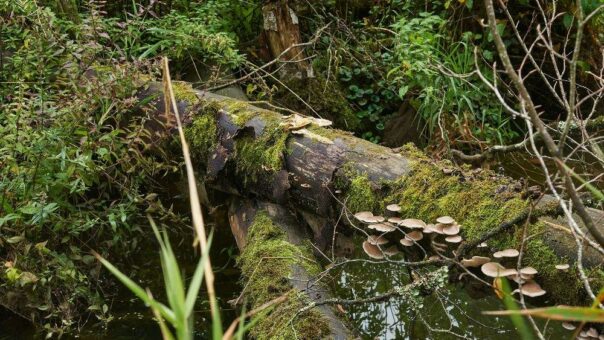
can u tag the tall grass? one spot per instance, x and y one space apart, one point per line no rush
179 313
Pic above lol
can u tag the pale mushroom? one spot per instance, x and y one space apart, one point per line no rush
452 229
393 207
438 228
475 261
382 227
482 245
445 220
531 289
413 223
562 266
592 333
528 271
453 239
406 242
395 220
373 251
569 326
377 240
415 235
494 269
379 219
506 253
429 229
364 216
434 258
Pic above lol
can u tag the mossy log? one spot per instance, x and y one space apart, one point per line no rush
277 259
314 170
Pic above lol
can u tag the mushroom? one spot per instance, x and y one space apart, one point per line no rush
531 289
528 271
364 216
429 229
452 229
475 261
395 220
406 242
563 266
373 251
413 223
482 245
494 269
434 258
453 239
415 235
592 333
391 251
382 227
438 228
506 253
377 240
569 326
393 207
445 220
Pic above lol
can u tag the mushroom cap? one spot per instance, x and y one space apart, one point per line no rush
377 240
475 261
413 223
528 271
506 253
452 229
364 216
434 258
445 220
482 245
373 251
438 228
564 266
415 235
393 207
569 326
494 269
592 332
382 227
429 229
391 251
395 220
453 239
531 289
406 242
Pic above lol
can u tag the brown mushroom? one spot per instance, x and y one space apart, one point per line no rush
415 235
429 229
494 269
528 271
475 261
406 242
391 251
531 289
364 216
377 240
395 220
373 251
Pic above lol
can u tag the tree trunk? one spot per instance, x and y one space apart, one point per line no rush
282 32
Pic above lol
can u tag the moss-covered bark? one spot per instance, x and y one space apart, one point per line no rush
267 265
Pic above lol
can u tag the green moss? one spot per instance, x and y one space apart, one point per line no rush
202 135
184 92
266 264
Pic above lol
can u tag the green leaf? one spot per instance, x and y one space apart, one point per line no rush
560 313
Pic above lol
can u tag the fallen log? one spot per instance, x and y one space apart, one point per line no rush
277 259
319 172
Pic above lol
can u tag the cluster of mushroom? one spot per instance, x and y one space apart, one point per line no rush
524 277
414 230
590 333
